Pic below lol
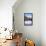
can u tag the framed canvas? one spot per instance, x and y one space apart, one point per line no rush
28 19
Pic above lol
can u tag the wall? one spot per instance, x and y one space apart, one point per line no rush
43 22
30 32
6 13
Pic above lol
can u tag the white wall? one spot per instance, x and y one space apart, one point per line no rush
31 32
6 13
43 22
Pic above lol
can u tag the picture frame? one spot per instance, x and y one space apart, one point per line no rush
28 19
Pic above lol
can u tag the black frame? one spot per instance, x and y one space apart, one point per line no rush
26 18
